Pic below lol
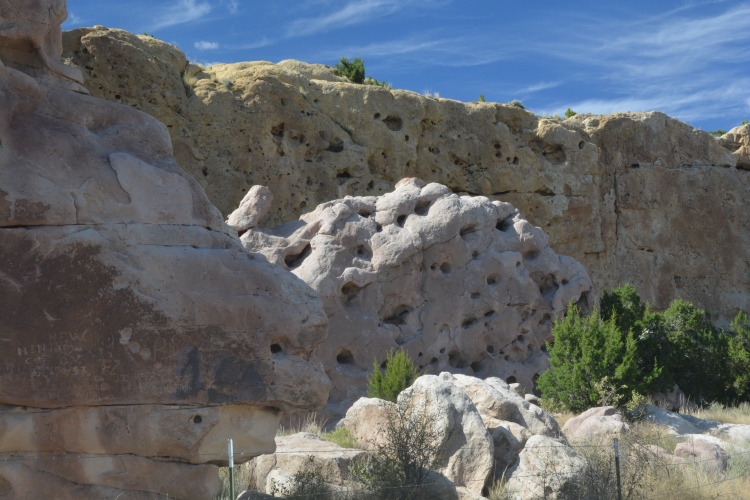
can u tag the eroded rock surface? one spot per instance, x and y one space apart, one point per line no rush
129 307
461 283
634 197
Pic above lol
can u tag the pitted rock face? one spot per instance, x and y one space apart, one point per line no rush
462 283
123 288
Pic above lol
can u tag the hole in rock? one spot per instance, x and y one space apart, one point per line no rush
531 255
336 145
489 314
549 286
583 302
511 380
506 358
278 131
491 279
545 319
422 208
419 355
515 160
393 123
565 282
433 361
466 231
376 116
342 177
197 419
295 260
581 144
475 255
401 220
635 165
442 351
468 323
118 96
456 360
350 291
275 348
505 224
544 347
398 317
476 366
378 228
445 268
383 364
491 349
406 138
520 338
345 357
364 213
545 191
362 251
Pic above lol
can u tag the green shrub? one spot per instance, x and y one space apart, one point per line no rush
481 98
718 132
569 112
399 374
373 81
342 437
586 350
739 355
744 122
354 70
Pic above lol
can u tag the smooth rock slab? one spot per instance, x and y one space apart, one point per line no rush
601 421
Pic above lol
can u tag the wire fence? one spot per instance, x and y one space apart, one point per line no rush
699 474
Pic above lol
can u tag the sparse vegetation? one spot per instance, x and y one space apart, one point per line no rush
744 122
569 113
400 373
354 71
718 132
517 103
308 482
481 98
309 423
342 437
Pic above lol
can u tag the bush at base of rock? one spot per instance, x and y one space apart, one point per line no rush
399 374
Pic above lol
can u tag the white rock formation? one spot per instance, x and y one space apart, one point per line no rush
462 283
601 421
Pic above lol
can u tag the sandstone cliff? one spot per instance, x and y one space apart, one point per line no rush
136 334
639 198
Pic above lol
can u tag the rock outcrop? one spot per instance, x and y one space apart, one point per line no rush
133 324
462 284
634 197
600 422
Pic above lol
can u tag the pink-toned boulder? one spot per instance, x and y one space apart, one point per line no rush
604 420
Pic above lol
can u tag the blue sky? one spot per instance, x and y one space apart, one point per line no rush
689 59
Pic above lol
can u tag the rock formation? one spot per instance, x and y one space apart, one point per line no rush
634 197
462 283
133 324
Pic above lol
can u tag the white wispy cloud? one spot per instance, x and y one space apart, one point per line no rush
203 45
353 12
689 66
180 12
72 21
537 87
233 6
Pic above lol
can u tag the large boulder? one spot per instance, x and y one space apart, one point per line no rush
546 468
461 283
674 423
129 306
297 453
466 457
703 451
601 421
630 195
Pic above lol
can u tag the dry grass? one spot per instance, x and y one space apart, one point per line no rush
739 414
309 423
242 481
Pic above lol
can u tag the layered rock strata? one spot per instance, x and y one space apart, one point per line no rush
634 197
461 283
136 334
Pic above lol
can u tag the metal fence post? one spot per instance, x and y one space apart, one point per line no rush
231 471
617 467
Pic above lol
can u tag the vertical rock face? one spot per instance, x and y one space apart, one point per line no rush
634 197
126 299
462 283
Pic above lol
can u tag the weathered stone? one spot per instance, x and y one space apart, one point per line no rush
461 283
673 422
546 469
707 453
192 434
293 454
737 140
127 303
631 195
466 456
253 209
601 421
365 418
124 476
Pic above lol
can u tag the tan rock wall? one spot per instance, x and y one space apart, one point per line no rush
634 197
